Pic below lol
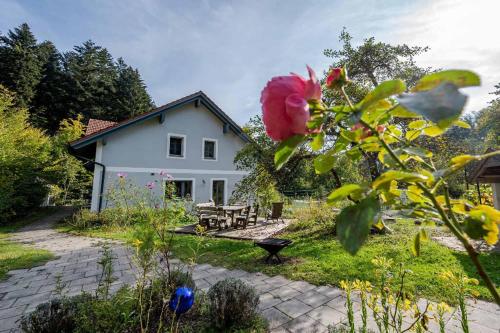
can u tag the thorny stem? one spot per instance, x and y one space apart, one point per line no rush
473 254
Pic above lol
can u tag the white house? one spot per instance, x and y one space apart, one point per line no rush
191 139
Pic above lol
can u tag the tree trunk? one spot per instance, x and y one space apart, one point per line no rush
338 182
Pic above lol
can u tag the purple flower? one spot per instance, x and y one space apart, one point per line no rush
167 176
121 174
150 185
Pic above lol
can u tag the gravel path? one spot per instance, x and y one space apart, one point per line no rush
289 306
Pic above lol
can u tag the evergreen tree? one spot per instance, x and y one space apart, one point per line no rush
20 65
131 96
51 99
92 75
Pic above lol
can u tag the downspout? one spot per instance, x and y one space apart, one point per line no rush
103 174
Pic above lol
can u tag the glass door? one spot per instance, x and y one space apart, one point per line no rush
218 192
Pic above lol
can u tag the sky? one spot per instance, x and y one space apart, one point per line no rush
230 49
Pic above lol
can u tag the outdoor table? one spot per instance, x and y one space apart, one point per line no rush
231 210
273 246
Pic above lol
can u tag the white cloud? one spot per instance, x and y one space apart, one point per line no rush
461 34
230 49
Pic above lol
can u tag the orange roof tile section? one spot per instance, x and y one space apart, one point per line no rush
96 125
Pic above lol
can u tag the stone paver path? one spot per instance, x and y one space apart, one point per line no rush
289 306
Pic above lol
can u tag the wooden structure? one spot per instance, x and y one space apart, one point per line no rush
488 172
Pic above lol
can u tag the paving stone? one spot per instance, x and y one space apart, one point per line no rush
293 308
12 311
33 299
277 281
200 274
478 304
21 293
263 287
285 292
275 317
8 324
339 304
305 324
329 291
301 286
236 273
212 279
202 284
327 316
313 298
280 329
7 303
268 300
484 318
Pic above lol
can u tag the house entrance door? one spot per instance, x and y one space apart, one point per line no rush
218 192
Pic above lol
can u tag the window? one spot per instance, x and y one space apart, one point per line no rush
209 149
176 145
184 188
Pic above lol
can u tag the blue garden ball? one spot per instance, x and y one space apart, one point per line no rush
182 300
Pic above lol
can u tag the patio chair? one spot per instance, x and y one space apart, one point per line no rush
275 214
206 215
222 218
254 215
243 218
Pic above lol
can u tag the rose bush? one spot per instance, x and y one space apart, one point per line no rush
410 182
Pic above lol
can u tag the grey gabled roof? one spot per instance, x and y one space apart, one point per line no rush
198 97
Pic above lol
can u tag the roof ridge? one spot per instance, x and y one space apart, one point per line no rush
157 111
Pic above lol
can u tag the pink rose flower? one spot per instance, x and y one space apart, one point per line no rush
284 104
336 78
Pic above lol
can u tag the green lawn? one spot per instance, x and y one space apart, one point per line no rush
16 256
316 256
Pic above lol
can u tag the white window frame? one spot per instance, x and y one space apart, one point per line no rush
184 144
193 185
212 188
203 149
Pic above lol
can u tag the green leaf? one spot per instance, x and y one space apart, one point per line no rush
459 161
417 151
398 175
286 149
433 131
342 193
474 228
415 249
383 90
462 124
417 124
323 163
401 112
460 78
318 141
442 105
316 122
413 134
354 222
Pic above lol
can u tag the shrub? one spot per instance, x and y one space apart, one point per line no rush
179 278
225 297
57 315
315 214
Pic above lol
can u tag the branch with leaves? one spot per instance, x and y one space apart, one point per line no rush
409 181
